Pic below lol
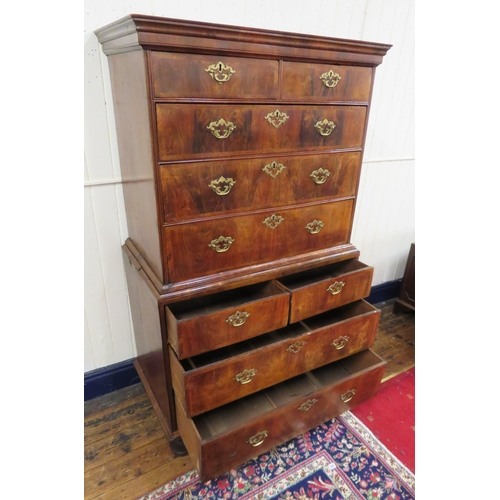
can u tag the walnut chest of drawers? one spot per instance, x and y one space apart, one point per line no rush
240 151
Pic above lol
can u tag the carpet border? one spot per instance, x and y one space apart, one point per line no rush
391 460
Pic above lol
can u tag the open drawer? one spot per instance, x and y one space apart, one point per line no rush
213 379
207 323
318 290
230 435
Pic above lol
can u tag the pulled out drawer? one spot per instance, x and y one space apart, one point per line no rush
213 379
228 436
218 320
318 290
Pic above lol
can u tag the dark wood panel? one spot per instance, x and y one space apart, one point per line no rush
343 83
186 75
251 184
183 131
193 249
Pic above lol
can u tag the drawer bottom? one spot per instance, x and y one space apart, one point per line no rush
228 436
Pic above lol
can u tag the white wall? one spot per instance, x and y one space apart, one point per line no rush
384 224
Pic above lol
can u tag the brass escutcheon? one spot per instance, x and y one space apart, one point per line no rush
340 342
330 78
336 287
325 127
221 244
319 176
273 221
258 438
245 376
274 169
315 226
238 318
297 346
347 396
277 118
308 404
222 186
221 129
220 72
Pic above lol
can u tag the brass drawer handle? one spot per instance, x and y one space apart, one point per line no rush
297 346
330 78
258 438
220 72
277 118
238 318
315 226
222 186
245 376
325 127
340 342
336 287
221 244
274 169
221 129
347 396
273 221
319 176
308 404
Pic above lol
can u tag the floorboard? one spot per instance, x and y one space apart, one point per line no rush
126 454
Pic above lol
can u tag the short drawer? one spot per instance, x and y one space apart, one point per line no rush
207 323
318 290
213 245
199 75
231 186
220 130
228 436
207 381
326 82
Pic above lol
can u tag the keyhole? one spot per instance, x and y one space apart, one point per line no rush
220 66
277 114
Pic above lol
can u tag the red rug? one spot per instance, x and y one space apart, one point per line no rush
390 416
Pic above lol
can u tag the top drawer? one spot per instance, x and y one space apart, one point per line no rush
208 76
325 82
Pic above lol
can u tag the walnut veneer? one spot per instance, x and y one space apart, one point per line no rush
240 152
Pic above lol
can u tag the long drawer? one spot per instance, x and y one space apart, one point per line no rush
205 188
216 130
207 381
215 245
207 323
228 436
321 289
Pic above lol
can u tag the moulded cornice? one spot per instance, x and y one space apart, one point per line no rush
136 31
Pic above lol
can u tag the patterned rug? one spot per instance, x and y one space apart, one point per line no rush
340 459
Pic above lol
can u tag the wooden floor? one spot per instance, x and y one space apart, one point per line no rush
126 452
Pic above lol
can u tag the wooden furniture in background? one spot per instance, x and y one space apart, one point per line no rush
406 300
240 152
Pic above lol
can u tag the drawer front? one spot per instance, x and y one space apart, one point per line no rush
326 82
329 291
205 188
196 130
216 245
209 76
222 452
224 381
195 327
